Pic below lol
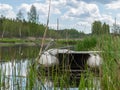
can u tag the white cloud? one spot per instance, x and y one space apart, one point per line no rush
82 10
107 18
94 11
57 3
113 5
100 1
118 15
25 7
7 11
42 8
5 7
103 18
83 13
86 13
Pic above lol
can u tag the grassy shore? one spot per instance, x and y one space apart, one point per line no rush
32 41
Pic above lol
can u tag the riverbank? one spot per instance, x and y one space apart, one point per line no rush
30 41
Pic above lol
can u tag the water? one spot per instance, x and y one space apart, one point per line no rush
15 62
13 74
14 66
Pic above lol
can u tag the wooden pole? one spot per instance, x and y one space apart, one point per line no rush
43 39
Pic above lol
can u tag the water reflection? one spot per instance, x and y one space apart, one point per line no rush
19 52
14 77
14 68
13 74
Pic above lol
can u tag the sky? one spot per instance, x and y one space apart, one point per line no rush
77 14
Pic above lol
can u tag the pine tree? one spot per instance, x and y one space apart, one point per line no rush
20 16
32 15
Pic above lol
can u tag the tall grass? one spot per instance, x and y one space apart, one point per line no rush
110 68
111 51
60 76
86 44
110 46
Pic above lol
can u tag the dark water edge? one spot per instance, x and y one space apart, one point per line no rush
22 51
18 52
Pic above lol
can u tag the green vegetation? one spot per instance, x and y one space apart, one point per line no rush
15 28
98 28
86 44
32 15
11 40
110 46
21 29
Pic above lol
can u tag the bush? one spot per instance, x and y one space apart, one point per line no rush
86 44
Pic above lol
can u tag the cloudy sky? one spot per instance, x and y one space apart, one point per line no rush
78 14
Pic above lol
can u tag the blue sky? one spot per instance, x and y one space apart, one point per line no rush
78 14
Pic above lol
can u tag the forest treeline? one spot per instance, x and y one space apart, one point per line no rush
18 28
22 29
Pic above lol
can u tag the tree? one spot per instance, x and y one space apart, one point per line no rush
19 16
32 15
96 27
1 25
99 28
105 28
108 29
